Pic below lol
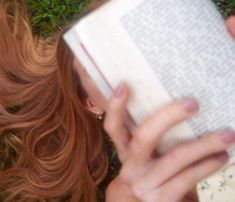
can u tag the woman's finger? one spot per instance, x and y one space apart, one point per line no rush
115 115
186 154
188 178
148 135
230 23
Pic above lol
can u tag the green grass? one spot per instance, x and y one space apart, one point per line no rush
226 7
49 16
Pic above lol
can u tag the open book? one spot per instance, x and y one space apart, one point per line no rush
164 50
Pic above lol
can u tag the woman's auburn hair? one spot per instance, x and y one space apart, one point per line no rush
60 144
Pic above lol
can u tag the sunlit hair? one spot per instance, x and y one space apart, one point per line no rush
60 144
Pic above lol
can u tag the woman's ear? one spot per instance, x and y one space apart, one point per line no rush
92 107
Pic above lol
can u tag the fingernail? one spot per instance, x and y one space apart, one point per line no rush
191 105
120 90
222 157
228 137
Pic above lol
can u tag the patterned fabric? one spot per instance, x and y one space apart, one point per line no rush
219 187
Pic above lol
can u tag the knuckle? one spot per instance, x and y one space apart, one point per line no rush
142 137
109 125
146 194
215 140
180 152
141 190
182 108
124 176
173 108
207 145
175 153
115 105
138 137
112 107
138 190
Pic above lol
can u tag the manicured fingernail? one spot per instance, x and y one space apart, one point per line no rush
228 137
120 90
222 157
191 105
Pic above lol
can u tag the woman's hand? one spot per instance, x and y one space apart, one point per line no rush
169 177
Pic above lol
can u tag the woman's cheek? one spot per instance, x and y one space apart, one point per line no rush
95 94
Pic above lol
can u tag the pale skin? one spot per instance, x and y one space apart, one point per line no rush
159 178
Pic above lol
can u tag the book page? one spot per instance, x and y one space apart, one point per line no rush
191 53
183 52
